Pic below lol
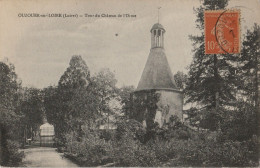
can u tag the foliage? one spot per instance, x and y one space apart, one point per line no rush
104 90
51 104
81 99
181 80
164 150
130 152
73 95
211 153
203 149
107 134
123 150
144 106
11 156
9 95
125 98
212 80
176 145
89 150
193 116
9 116
130 129
249 65
33 110
175 129
240 124
72 103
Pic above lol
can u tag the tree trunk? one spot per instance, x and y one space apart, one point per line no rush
217 84
257 87
216 78
108 120
216 90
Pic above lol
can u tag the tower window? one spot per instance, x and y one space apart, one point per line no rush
159 32
154 32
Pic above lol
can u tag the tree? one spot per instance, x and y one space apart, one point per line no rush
9 116
211 83
51 104
8 93
104 89
124 94
249 62
80 100
72 96
180 80
33 110
240 124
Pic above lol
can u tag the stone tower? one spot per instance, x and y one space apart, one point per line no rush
158 79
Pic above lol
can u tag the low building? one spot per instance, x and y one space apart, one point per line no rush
47 135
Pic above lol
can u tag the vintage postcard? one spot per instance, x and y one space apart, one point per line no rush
133 83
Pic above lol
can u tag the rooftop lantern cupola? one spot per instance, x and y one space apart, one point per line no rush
157 36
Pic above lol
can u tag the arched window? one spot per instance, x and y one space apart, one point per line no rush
159 32
154 32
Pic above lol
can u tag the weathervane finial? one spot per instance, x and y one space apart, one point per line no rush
159 14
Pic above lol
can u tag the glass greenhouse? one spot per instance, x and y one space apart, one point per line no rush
46 134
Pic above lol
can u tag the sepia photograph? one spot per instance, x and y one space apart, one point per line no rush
129 83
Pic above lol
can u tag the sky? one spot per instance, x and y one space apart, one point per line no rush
41 47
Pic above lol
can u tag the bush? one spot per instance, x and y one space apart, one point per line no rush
174 129
107 134
10 154
90 150
240 124
14 154
176 146
128 146
131 129
209 152
9 147
164 150
131 152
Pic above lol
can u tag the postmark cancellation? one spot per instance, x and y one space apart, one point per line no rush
222 31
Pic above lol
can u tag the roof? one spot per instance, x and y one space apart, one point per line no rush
47 130
46 125
157 73
157 26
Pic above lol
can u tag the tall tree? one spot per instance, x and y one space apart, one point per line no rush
72 91
125 94
181 80
104 90
212 79
10 115
51 104
8 93
249 62
33 109
248 72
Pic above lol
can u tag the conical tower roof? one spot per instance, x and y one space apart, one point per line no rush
157 73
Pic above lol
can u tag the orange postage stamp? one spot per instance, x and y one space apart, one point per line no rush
222 31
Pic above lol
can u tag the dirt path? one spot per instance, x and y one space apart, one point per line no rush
45 157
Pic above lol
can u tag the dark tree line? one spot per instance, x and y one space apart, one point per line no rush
21 111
